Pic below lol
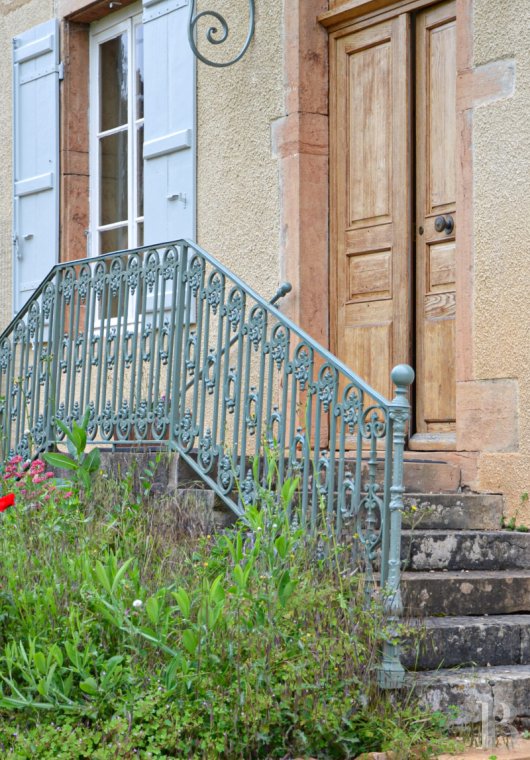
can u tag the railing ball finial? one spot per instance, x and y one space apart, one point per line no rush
402 375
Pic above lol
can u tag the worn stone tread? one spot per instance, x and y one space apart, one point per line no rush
479 641
460 511
472 592
465 550
460 692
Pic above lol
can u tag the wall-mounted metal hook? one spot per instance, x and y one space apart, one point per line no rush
217 35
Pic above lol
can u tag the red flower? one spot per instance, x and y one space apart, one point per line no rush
6 501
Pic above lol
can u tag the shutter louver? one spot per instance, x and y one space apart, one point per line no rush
36 73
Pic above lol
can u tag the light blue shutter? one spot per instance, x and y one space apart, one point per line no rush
36 157
169 128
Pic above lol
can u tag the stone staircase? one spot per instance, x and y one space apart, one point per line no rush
466 587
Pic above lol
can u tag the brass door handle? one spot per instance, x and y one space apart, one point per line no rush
444 224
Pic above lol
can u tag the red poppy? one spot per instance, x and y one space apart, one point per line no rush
6 501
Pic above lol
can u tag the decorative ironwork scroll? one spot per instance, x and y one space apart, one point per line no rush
217 33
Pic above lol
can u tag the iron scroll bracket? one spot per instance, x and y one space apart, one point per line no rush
217 35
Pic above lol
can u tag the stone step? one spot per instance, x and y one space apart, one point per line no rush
460 694
479 641
429 476
420 476
463 511
465 550
486 592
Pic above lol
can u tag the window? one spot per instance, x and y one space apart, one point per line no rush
140 88
116 134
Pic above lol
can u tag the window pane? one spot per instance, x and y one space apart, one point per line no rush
113 64
140 234
140 171
113 240
139 78
113 178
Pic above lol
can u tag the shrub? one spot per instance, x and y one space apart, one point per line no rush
253 643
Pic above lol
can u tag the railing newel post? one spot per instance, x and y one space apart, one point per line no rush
391 672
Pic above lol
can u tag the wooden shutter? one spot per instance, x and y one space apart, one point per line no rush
36 157
169 108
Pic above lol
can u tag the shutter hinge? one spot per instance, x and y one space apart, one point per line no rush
60 71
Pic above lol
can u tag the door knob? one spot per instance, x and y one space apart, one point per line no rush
444 224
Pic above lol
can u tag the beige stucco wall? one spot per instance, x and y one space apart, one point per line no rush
501 157
15 17
238 200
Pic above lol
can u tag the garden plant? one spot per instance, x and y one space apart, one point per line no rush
254 642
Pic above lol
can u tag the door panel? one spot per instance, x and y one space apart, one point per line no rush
435 246
370 198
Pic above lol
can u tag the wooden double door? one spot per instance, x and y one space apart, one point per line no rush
393 201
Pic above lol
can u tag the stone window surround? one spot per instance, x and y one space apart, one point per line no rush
75 17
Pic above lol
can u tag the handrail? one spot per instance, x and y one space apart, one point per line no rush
164 344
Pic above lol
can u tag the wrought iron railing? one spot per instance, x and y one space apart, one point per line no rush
163 344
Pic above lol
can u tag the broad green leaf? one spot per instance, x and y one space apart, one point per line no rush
120 573
49 677
60 460
215 615
217 592
255 469
153 609
63 428
89 686
239 577
183 602
112 662
282 545
78 438
92 461
248 569
170 676
71 448
285 588
190 639
67 684
101 575
73 654
288 490
55 652
40 662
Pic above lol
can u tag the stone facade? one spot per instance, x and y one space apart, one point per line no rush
262 194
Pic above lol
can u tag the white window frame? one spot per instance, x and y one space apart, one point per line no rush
101 31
